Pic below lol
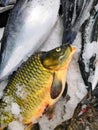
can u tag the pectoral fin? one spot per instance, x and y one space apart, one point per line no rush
56 87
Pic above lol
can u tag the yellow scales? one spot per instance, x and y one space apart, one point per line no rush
39 82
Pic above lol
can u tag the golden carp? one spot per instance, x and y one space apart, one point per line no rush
38 83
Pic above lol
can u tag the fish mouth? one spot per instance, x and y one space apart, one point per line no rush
72 49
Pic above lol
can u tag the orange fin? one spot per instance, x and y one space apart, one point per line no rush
49 112
33 127
29 127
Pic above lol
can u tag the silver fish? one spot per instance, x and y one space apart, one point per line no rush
29 24
88 61
6 2
3 9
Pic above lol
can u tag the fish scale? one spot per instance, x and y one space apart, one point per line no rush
33 100
37 83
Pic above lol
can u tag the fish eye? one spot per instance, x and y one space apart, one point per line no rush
58 49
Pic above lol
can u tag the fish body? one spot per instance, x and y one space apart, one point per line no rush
28 26
38 83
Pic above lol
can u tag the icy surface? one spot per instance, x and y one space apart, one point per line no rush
96 7
1 33
76 87
95 78
3 84
36 18
90 50
2 87
15 125
55 38
84 14
15 109
20 92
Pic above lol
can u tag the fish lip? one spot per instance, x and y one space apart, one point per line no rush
70 47
67 45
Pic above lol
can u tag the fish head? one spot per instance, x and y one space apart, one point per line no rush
58 57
